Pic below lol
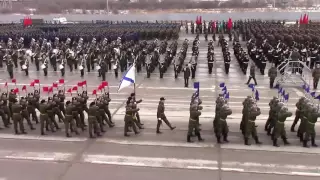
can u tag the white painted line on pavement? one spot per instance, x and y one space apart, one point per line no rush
186 164
44 138
305 174
291 149
157 143
39 156
149 162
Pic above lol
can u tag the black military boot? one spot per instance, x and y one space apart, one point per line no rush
285 141
92 136
218 139
189 139
275 142
42 133
68 135
313 142
246 141
300 137
305 144
257 140
199 136
225 138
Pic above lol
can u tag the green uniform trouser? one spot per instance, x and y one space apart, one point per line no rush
32 112
222 127
193 126
309 131
44 120
104 117
25 115
302 126
4 117
70 124
250 129
56 111
51 121
93 125
279 130
128 122
76 118
163 118
268 120
17 119
296 119
7 112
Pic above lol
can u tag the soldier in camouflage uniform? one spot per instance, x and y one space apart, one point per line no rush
316 76
310 132
129 117
221 123
302 101
272 74
193 123
279 129
250 125
92 120
304 119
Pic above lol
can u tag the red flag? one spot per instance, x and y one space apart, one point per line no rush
6 84
50 89
80 84
14 81
45 89
104 83
36 81
16 90
55 85
61 81
75 88
200 20
307 19
214 25
301 20
84 82
229 25
100 87
24 22
24 88
32 84
304 19
69 90
94 92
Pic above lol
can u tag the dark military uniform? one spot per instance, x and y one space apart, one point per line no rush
272 73
69 121
161 116
193 121
129 118
250 126
92 120
316 76
279 129
17 118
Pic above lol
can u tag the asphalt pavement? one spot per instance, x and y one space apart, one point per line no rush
165 156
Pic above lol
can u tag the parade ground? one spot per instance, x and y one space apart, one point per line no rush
151 156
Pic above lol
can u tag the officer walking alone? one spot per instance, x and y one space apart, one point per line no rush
316 76
252 75
272 73
161 116
186 72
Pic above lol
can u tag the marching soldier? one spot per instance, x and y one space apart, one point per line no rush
186 73
310 131
221 123
316 76
252 75
31 107
299 112
161 116
69 121
272 73
92 120
25 113
193 121
279 129
17 119
210 58
250 125
10 66
129 117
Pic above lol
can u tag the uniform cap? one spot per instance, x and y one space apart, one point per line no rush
162 98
